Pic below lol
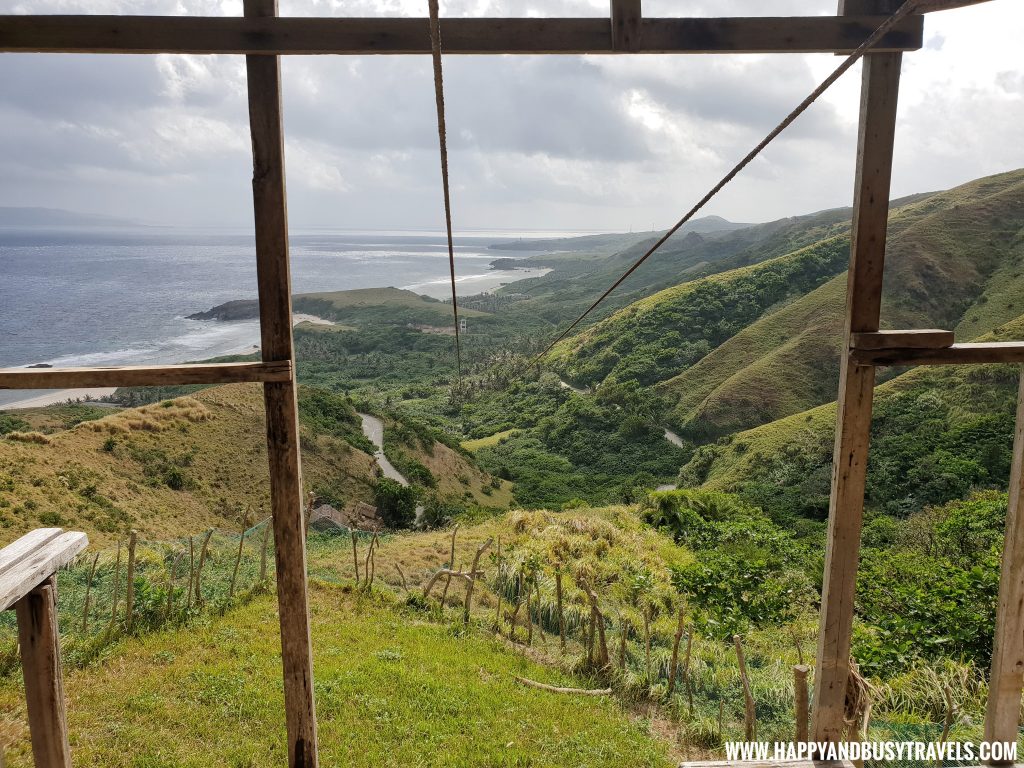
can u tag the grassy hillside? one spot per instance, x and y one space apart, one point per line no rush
167 469
392 690
753 345
936 434
378 305
178 466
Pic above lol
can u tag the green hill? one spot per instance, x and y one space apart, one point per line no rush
937 433
181 465
754 344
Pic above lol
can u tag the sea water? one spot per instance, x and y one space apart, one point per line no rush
94 298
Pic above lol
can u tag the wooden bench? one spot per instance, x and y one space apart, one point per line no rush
27 584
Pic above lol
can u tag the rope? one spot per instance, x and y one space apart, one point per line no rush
442 136
853 58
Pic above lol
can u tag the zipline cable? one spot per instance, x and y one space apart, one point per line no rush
442 136
853 58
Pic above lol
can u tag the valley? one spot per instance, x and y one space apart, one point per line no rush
659 481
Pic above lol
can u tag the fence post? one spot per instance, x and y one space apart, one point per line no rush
749 721
88 589
117 585
673 667
129 591
170 585
191 573
199 568
238 556
558 603
355 554
39 640
800 695
263 552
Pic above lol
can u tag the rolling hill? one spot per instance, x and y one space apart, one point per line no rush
178 466
755 344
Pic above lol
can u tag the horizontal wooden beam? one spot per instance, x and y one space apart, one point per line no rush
309 36
143 375
38 564
914 339
957 354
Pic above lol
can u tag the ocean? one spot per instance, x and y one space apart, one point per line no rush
121 297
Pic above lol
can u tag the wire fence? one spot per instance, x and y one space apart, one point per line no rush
177 581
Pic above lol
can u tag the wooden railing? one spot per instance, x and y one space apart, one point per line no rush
27 584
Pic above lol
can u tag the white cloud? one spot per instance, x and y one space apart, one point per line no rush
536 142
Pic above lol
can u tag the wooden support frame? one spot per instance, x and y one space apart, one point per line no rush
879 94
145 375
39 641
626 25
311 36
979 353
1007 674
280 397
263 36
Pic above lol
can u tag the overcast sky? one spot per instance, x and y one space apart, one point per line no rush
560 143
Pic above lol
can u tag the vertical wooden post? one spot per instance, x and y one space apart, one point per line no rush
749 713
879 90
626 21
44 686
129 594
274 282
800 699
1007 676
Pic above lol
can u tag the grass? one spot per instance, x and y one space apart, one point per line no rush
378 305
169 469
392 690
485 442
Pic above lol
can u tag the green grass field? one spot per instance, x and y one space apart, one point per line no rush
392 690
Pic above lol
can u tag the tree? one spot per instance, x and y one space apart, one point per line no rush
396 503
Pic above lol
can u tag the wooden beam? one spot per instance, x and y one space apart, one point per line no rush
914 339
626 29
1004 691
981 353
280 398
39 640
879 91
38 565
144 375
285 36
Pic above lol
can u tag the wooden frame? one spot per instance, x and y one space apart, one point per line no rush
263 36
305 36
145 375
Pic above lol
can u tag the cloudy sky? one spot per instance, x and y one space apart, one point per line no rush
556 143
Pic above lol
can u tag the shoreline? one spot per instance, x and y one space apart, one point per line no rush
40 398
436 289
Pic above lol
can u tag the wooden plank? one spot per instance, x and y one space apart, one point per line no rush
19 549
626 20
979 353
879 91
915 339
310 36
39 640
1004 693
274 280
42 563
144 375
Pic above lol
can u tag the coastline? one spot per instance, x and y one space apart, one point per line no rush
39 398
470 285
438 289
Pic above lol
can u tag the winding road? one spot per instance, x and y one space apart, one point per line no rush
373 428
